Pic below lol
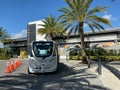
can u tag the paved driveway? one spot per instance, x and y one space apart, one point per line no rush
70 76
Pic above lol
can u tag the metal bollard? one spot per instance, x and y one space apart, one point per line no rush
67 57
88 62
99 67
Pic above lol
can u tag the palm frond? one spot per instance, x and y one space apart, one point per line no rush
86 6
70 30
99 19
65 10
76 29
78 11
51 26
91 27
70 3
97 9
98 25
67 27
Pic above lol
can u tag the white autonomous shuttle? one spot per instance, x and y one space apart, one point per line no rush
44 57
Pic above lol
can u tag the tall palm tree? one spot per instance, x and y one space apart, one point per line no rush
79 13
51 27
4 36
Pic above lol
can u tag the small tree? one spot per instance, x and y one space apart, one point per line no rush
4 36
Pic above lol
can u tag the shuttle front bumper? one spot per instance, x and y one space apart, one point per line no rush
43 68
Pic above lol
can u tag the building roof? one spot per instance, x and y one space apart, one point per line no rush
111 30
20 39
107 31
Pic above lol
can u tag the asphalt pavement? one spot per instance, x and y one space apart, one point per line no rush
71 75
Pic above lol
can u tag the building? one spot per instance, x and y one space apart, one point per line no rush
108 39
32 34
17 47
109 36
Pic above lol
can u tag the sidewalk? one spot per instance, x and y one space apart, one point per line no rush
92 82
114 67
107 77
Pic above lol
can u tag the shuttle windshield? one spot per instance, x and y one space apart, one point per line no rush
42 49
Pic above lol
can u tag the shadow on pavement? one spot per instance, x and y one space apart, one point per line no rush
111 67
65 79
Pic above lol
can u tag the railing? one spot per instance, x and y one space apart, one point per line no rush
14 45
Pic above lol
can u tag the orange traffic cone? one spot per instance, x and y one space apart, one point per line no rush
8 68
19 62
15 65
12 66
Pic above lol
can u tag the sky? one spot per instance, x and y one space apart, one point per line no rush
16 14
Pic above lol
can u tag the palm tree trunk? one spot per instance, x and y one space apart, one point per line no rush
51 35
84 57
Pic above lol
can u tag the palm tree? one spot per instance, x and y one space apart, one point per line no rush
51 27
4 36
77 14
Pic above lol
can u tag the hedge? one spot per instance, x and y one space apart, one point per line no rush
95 54
95 58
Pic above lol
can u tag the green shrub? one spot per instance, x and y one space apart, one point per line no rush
88 52
112 58
119 52
80 57
3 55
74 57
4 58
92 57
111 52
95 54
101 51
